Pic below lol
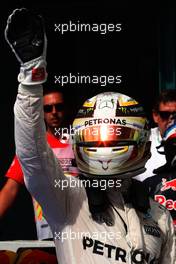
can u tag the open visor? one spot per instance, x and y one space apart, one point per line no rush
106 136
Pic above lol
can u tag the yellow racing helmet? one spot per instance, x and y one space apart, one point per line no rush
110 136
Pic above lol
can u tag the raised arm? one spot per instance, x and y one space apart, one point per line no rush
26 36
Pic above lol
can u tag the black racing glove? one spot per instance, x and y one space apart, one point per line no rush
25 34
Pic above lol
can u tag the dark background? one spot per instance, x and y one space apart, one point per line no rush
132 53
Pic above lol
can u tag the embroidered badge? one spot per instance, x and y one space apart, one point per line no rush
152 230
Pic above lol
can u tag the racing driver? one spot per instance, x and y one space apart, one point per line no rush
90 224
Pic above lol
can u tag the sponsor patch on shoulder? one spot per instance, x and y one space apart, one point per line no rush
152 230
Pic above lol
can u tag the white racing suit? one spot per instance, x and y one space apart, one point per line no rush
148 238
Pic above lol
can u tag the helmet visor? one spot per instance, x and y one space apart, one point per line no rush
106 135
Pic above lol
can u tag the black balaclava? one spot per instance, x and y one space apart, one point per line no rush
136 193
